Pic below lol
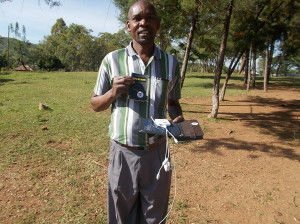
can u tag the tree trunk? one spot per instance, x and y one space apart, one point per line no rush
188 48
253 68
23 64
220 63
270 60
230 70
246 67
277 70
242 68
250 66
267 67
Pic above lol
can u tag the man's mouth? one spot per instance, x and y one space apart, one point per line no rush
144 32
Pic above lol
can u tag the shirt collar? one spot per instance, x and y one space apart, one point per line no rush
131 52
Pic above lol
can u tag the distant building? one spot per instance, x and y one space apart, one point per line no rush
22 68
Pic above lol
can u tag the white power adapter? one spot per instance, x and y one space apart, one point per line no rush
166 163
167 166
162 122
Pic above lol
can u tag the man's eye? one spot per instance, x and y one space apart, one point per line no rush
136 19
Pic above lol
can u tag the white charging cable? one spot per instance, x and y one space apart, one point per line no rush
175 139
167 166
166 163
175 192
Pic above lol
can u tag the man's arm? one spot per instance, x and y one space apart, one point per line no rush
175 111
120 86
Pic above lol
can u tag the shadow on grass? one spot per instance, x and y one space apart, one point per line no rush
233 77
232 86
212 77
6 80
213 145
198 85
206 85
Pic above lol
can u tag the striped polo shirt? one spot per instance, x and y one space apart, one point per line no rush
162 73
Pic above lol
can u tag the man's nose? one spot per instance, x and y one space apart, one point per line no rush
144 22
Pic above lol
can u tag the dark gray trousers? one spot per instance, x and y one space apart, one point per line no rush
135 196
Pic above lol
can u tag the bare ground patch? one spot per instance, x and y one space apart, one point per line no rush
246 170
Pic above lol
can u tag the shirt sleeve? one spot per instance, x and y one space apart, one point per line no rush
175 83
103 83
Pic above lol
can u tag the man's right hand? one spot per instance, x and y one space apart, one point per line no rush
121 85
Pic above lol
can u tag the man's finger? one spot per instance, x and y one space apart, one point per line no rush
124 79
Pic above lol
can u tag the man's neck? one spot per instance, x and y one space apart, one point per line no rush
144 51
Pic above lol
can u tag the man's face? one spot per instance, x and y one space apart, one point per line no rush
143 23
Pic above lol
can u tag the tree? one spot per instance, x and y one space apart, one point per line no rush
189 45
59 27
77 49
21 46
3 61
251 21
68 44
50 63
10 28
220 63
268 62
289 59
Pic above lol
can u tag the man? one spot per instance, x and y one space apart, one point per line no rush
134 193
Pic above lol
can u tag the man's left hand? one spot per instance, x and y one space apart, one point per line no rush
178 119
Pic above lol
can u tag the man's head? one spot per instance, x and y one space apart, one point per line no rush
143 22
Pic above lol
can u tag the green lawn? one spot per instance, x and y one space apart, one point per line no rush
57 155
53 162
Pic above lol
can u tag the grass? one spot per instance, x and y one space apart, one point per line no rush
66 160
197 84
200 85
53 162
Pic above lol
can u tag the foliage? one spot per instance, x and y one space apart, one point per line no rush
3 61
77 49
176 19
50 63
257 22
253 22
284 66
21 47
72 46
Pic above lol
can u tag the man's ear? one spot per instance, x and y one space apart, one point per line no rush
128 26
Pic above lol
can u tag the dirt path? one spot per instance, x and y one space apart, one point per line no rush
247 168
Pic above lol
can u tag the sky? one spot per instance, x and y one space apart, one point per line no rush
38 17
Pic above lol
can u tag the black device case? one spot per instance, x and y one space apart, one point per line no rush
137 91
183 131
